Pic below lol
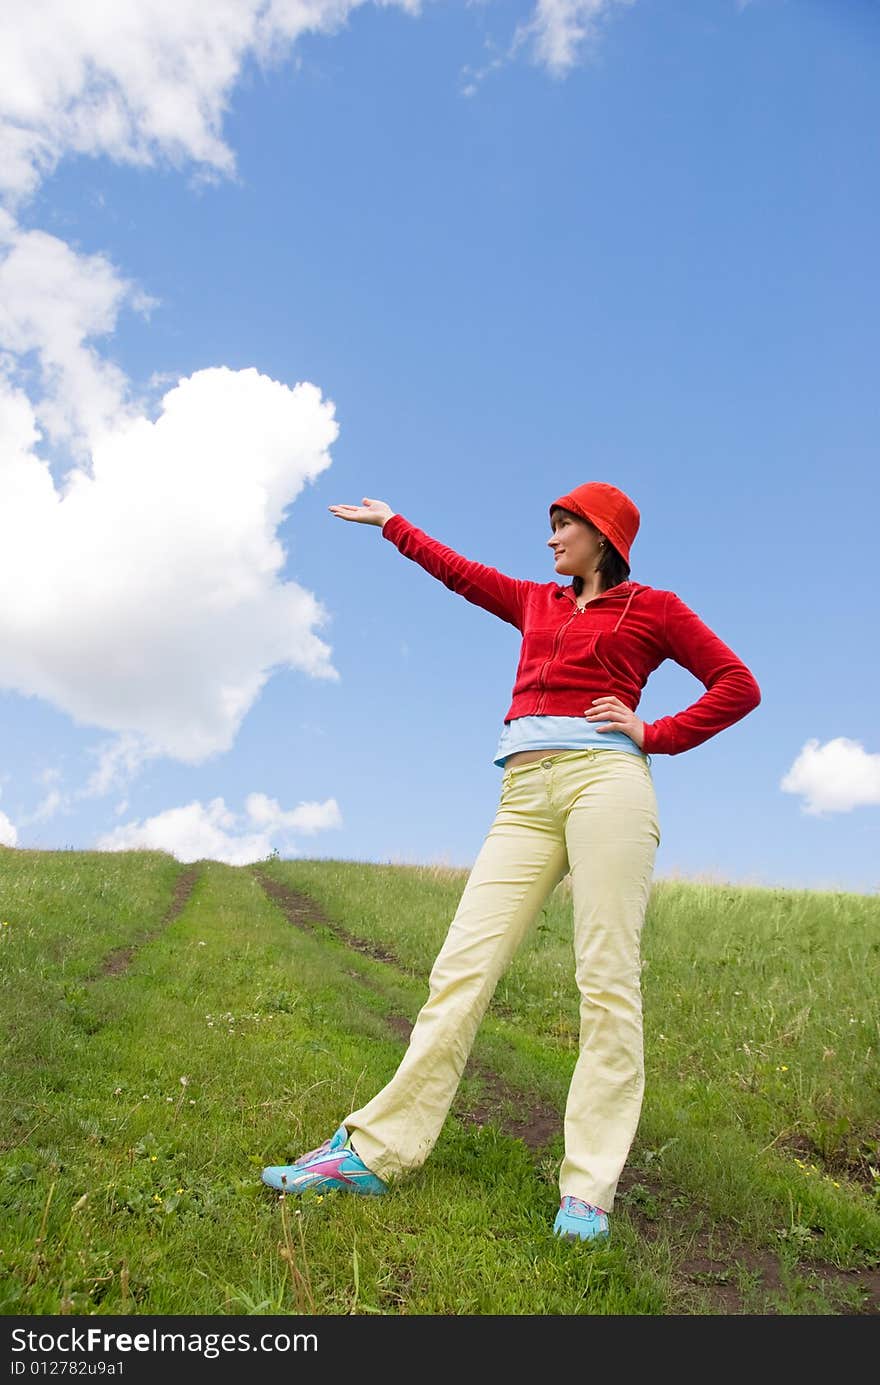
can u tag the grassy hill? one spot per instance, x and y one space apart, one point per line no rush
168 1030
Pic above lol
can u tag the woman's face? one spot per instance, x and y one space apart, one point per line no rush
575 545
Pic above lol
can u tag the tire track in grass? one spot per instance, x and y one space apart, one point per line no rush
717 1259
307 914
715 1262
120 958
536 1127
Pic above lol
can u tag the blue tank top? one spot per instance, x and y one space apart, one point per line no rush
566 733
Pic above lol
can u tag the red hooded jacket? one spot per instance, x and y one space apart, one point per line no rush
611 646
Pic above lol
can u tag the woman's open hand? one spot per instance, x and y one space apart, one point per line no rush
371 512
620 717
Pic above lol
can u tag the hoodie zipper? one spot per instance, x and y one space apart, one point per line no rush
578 611
547 662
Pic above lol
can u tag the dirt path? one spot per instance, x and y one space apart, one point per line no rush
119 959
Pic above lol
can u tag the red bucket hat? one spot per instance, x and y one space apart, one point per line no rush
612 512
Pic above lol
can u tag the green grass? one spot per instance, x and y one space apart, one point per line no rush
157 1052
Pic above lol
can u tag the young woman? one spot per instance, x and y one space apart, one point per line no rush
577 797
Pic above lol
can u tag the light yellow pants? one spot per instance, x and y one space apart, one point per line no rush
590 812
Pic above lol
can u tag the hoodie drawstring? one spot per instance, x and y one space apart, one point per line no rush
624 611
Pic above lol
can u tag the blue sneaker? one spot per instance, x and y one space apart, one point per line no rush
580 1221
333 1167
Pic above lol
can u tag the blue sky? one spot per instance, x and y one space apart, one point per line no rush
459 258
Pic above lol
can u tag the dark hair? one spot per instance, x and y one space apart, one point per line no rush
612 567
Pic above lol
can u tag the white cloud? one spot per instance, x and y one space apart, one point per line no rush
835 777
198 832
556 33
53 304
8 833
305 819
146 598
559 29
140 81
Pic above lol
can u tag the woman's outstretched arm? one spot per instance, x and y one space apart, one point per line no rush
503 596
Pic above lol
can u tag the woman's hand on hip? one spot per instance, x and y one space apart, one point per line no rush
621 717
370 512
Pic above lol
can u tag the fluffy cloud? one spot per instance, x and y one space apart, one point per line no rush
136 80
197 832
835 777
143 593
305 819
53 304
8 831
146 596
